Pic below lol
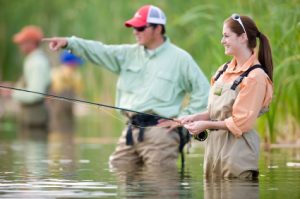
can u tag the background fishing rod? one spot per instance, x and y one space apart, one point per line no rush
83 101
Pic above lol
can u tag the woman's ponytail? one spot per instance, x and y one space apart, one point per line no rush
265 54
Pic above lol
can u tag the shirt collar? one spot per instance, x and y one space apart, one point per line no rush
157 50
250 62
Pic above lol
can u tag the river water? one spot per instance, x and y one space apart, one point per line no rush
59 165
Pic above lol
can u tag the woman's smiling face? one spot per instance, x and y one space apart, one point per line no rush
231 41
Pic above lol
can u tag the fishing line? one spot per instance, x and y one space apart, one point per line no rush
74 100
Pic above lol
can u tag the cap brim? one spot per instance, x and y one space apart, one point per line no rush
134 22
18 38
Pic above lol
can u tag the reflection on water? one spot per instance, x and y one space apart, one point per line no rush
56 165
231 189
153 182
55 188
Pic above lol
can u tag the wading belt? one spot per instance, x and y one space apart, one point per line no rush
140 121
38 103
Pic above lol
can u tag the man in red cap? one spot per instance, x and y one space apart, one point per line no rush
154 77
36 77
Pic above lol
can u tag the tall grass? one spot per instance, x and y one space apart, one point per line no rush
193 25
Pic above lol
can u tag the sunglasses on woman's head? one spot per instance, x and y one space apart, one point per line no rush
237 18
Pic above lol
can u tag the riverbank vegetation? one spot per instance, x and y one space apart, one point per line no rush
193 25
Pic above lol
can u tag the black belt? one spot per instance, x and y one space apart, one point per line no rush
140 121
38 103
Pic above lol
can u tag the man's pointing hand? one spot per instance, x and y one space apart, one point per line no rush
55 43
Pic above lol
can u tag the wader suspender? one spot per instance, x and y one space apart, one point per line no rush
245 74
221 71
238 80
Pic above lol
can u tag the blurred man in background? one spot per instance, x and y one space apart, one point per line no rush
35 77
66 82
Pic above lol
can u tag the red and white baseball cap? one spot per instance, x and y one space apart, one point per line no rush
147 14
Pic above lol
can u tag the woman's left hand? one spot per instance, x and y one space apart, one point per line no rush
196 127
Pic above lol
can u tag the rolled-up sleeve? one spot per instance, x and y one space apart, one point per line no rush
108 56
255 93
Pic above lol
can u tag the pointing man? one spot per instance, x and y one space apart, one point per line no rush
154 77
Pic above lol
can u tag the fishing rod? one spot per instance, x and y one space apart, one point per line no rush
201 136
83 101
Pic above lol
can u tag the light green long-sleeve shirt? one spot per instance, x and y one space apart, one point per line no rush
149 81
36 77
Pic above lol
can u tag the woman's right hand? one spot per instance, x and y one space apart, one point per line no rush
193 118
187 119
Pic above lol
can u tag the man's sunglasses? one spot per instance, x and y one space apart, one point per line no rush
141 29
237 18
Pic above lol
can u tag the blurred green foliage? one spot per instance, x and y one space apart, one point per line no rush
192 24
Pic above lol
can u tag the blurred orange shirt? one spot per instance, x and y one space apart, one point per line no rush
255 93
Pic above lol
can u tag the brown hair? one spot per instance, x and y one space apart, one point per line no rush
264 52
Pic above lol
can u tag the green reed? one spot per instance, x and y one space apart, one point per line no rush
193 25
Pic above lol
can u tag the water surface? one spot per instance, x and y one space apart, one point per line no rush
58 165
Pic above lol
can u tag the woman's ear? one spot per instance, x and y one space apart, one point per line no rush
244 37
